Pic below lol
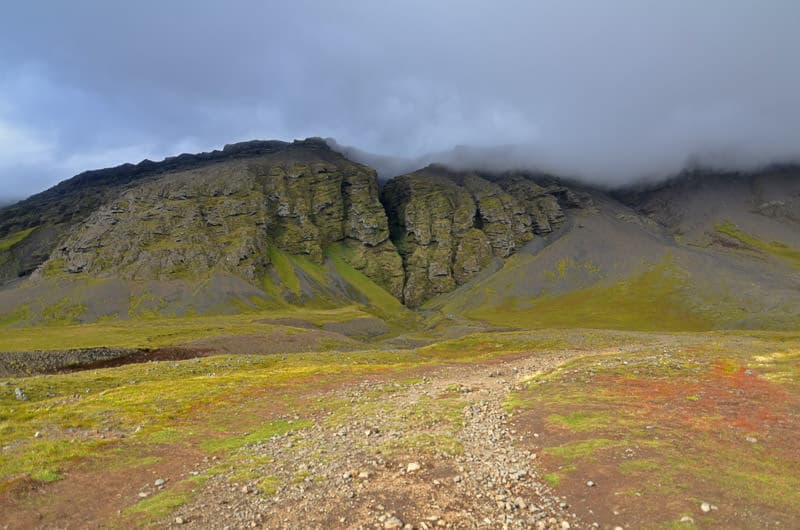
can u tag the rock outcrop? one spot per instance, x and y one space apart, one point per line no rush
430 214
224 217
25 363
448 225
542 207
313 205
23 251
243 210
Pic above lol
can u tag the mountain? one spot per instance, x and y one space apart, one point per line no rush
275 224
700 252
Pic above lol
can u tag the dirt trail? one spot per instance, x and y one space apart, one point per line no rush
92 496
429 452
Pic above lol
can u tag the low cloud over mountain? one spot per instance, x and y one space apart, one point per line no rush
610 92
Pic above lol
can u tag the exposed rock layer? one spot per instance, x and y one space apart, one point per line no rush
228 211
448 226
224 217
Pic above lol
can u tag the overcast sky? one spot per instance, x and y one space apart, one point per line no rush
607 90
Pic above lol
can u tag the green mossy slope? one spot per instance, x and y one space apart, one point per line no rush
653 300
777 249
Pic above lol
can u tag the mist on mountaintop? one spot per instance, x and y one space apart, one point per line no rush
608 92
503 158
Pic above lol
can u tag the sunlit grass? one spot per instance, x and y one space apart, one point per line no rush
161 331
652 301
11 240
263 433
158 505
775 248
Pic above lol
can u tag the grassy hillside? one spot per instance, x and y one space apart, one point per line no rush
377 297
776 249
160 331
653 300
11 240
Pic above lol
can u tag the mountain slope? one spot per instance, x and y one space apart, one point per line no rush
231 232
54 212
692 255
274 224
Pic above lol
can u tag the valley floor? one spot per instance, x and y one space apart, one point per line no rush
522 429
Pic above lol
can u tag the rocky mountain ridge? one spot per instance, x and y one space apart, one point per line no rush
229 211
450 225
298 223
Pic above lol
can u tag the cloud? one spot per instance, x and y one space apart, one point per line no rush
20 145
611 92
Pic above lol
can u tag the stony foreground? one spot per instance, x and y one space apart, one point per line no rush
544 430
374 467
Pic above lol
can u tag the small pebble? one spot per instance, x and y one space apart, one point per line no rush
393 522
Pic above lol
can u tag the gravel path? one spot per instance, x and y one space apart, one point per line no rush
430 452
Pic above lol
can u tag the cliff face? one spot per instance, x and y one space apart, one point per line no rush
312 205
273 224
448 226
63 208
237 211
225 217
430 215
540 203
22 251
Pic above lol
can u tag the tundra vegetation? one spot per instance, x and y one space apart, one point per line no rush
268 336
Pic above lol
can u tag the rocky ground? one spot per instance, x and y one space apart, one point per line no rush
569 430
42 362
430 452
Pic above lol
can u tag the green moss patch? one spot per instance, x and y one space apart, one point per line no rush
774 248
652 301
554 479
158 506
263 433
377 296
47 476
580 421
579 450
11 240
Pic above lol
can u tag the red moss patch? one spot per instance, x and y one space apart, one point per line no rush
724 434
